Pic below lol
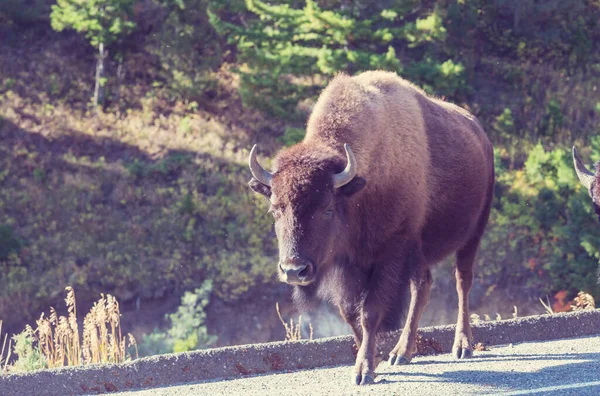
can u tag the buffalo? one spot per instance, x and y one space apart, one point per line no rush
387 182
589 181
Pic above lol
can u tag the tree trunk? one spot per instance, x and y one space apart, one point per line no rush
99 89
517 17
119 80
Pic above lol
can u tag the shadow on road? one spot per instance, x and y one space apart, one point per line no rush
586 369
515 357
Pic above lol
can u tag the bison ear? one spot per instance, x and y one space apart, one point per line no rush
259 187
357 184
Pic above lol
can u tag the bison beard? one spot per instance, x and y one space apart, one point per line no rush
341 281
386 183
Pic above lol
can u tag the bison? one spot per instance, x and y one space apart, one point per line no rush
589 180
387 182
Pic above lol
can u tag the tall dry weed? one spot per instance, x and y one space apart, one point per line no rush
293 332
60 343
4 360
583 301
103 341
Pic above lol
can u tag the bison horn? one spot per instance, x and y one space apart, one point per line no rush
257 171
585 176
346 176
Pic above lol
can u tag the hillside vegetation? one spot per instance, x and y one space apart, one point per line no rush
145 195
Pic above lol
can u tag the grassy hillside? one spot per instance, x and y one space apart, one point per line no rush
147 197
140 201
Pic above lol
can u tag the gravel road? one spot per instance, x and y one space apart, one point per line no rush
562 367
538 359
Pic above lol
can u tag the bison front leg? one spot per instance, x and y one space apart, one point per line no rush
419 297
366 362
372 311
351 316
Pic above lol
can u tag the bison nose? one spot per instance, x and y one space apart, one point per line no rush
296 270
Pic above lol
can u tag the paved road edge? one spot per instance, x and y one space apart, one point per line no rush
232 362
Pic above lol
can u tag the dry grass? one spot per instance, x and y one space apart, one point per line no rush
547 306
293 332
4 360
480 347
151 123
583 301
475 318
59 341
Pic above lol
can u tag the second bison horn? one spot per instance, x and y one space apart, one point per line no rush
585 176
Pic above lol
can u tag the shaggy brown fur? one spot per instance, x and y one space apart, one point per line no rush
422 192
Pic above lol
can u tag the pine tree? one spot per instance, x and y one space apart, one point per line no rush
288 53
102 21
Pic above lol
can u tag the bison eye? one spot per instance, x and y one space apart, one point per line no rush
328 213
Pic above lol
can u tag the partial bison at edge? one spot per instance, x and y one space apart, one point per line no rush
387 182
588 179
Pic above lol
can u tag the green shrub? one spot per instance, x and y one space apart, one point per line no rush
29 358
543 235
188 51
290 51
22 12
187 326
178 220
9 242
292 136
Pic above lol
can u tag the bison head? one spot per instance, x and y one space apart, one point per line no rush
588 179
308 195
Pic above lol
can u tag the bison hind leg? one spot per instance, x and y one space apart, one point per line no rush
463 338
465 257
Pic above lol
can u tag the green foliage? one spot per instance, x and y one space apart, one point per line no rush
29 358
172 163
188 329
10 243
553 118
188 50
445 79
506 133
289 52
564 32
155 343
8 84
22 12
148 229
102 21
129 225
505 124
292 136
39 175
543 235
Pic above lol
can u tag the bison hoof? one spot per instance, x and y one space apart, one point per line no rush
364 379
396 360
462 353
